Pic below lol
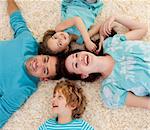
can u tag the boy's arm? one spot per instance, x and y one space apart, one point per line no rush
12 7
137 101
77 21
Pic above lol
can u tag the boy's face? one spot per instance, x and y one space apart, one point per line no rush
59 104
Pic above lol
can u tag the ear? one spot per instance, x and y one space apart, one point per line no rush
73 106
44 79
83 76
67 49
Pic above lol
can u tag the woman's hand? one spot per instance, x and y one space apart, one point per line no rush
106 26
100 44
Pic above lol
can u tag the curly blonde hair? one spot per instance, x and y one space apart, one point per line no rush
74 96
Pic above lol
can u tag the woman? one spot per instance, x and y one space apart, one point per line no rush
124 67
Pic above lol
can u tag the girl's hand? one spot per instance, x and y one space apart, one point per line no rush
90 46
106 26
100 44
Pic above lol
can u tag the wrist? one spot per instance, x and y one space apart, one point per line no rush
87 40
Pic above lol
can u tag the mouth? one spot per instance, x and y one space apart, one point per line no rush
33 65
86 60
54 106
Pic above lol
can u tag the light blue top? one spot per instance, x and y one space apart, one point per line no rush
131 71
76 124
87 12
15 83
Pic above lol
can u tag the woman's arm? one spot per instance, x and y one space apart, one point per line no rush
137 30
137 101
77 21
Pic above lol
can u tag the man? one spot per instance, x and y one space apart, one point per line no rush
19 67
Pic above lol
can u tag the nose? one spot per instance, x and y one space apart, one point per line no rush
80 59
40 65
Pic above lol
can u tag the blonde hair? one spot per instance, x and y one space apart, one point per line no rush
74 96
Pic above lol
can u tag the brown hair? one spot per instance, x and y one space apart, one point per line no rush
74 96
43 48
57 66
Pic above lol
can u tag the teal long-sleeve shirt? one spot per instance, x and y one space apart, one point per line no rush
16 85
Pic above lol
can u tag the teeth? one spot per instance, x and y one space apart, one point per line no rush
86 62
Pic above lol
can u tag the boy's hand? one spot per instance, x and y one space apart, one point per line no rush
90 46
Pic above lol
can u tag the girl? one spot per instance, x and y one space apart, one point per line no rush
78 16
124 67
69 104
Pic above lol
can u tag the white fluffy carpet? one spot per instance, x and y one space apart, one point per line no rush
44 14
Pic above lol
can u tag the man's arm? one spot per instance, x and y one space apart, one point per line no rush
17 22
12 7
11 101
136 101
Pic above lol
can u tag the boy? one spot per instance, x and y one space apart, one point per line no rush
68 104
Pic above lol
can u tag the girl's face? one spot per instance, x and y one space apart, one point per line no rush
81 63
59 104
58 42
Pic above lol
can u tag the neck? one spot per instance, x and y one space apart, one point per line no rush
105 65
63 119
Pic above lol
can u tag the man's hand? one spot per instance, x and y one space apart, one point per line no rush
12 7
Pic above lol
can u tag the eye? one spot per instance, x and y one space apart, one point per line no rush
45 71
76 55
76 65
59 96
60 44
45 59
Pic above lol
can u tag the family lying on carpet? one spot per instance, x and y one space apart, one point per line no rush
122 61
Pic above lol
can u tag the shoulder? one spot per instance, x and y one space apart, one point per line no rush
46 124
84 125
113 96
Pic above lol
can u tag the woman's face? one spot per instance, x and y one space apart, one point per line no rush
58 42
80 63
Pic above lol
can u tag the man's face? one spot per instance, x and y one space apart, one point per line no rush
42 66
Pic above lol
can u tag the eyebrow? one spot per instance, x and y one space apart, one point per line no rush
47 67
73 66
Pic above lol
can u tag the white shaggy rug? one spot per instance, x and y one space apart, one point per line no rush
44 14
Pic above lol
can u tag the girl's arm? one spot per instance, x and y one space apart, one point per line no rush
77 21
137 101
94 30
